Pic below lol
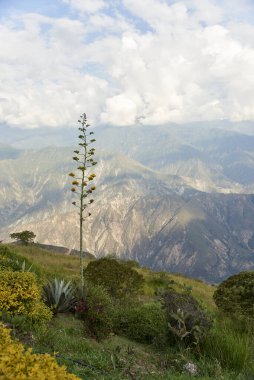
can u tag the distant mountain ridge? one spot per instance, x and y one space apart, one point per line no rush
176 199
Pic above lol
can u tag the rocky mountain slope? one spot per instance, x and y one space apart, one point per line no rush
182 202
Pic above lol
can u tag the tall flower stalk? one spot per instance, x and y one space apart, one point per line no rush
82 181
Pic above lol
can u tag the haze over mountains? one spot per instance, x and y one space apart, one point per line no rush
176 198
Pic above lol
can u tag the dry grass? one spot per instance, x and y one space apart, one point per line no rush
60 265
52 264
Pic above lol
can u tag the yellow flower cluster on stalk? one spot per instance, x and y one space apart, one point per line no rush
18 363
81 182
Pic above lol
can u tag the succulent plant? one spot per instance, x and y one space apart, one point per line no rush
59 295
23 266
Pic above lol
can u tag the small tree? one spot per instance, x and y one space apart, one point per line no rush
24 236
82 182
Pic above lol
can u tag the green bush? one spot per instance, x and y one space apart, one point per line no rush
117 278
96 309
145 323
188 323
236 295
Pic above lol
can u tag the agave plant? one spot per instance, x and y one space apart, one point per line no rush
23 266
59 296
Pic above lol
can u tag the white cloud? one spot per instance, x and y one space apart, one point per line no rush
87 6
191 60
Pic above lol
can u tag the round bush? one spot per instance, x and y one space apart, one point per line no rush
20 295
236 295
96 309
117 278
145 323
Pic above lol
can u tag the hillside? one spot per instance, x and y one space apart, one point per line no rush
137 343
177 199
53 263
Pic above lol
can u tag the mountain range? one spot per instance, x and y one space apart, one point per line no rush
174 197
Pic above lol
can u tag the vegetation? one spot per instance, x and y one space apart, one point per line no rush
230 345
96 309
9 260
236 295
81 183
188 323
20 295
59 296
16 362
108 337
145 323
24 237
116 277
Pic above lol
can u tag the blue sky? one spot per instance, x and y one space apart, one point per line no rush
125 61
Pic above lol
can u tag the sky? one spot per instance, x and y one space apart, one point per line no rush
125 62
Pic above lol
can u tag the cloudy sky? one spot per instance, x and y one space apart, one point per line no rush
125 62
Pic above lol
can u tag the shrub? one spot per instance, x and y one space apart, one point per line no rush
236 295
17 363
145 323
59 296
187 321
8 264
19 294
117 278
96 309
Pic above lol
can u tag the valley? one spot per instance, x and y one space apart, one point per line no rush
174 199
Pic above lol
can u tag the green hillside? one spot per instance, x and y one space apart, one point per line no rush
57 265
225 353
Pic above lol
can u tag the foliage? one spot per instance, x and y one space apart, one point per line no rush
48 265
17 363
118 358
96 309
11 261
187 321
59 296
81 183
117 278
19 294
145 323
236 295
24 236
229 345
7 264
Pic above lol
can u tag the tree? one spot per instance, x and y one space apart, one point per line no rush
24 236
82 182
116 277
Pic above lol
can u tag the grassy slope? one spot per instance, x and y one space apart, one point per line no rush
55 264
116 357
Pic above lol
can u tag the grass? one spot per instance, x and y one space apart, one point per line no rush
52 264
227 353
199 289
231 347
117 357
58 265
